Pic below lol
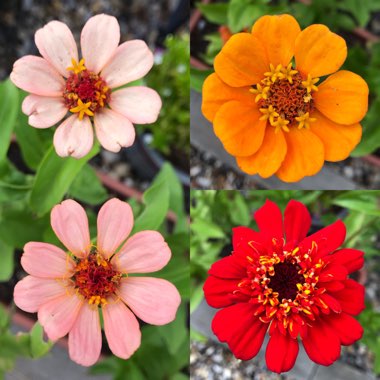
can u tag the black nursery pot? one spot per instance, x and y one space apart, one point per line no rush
147 162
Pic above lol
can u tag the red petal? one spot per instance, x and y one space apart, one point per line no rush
297 221
351 298
333 273
328 239
228 267
240 329
219 292
281 353
269 221
322 343
244 239
352 259
348 328
333 286
331 302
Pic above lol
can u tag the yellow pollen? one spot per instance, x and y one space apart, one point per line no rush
305 120
269 114
309 84
288 73
97 300
82 108
274 73
281 123
262 92
77 67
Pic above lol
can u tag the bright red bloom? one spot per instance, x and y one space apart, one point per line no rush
293 285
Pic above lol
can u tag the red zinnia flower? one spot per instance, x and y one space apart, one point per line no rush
294 285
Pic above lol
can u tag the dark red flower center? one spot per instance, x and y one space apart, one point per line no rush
288 99
285 279
95 278
87 87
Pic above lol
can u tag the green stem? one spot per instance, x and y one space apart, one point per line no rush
359 231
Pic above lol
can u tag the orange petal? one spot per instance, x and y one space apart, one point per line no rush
215 93
278 35
305 155
343 97
338 140
268 158
242 61
239 128
319 52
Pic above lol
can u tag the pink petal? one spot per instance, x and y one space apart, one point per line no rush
113 130
46 260
43 112
115 222
99 40
74 137
70 224
140 105
58 315
144 252
153 300
131 61
56 44
32 292
121 328
37 76
85 338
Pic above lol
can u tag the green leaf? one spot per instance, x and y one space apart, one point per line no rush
239 210
206 230
4 318
243 13
38 347
156 201
33 142
18 225
197 77
87 187
215 13
175 333
7 264
54 177
363 201
9 109
196 297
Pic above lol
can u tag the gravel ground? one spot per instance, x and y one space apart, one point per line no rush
20 19
207 172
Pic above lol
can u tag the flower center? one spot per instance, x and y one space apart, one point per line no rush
85 92
285 279
285 98
95 278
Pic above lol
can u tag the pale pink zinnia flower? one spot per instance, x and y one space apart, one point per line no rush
68 289
87 88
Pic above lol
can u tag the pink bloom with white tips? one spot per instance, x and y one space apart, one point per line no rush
60 84
67 289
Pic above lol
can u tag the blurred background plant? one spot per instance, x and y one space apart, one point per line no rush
171 73
215 213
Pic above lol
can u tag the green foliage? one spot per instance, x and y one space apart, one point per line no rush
171 79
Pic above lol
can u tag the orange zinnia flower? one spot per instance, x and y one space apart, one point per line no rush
268 110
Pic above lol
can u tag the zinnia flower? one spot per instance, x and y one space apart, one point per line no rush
87 89
69 289
270 112
279 280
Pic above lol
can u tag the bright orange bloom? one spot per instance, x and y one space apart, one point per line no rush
274 113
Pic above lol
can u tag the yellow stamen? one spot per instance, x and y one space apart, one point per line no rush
82 108
77 67
309 84
269 113
262 92
281 123
274 73
305 120
288 73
